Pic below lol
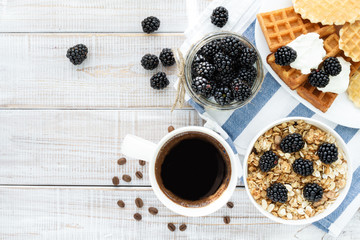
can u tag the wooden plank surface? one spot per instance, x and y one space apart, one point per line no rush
92 213
34 72
92 16
43 147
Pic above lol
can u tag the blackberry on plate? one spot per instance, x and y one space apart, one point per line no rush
318 78
241 90
248 56
248 74
277 192
231 46
303 167
150 24
223 95
149 61
328 153
202 86
268 160
292 143
332 66
167 57
313 192
224 78
285 55
204 69
159 81
77 54
219 16
223 63
210 49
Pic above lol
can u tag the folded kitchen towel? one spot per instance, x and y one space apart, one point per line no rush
273 102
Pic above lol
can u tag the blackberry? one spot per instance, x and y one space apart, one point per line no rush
248 56
204 69
223 63
223 95
277 192
219 17
210 49
150 24
313 192
303 167
167 57
332 66
149 61
318 78
197 59
159 81
77 54
224 78
328 153
241 90
268 160
248 75
231 46
292 143
285 55
202 86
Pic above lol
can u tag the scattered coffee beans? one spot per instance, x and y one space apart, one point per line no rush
171 128
139 202
137 216
230 204
121 161
153 210
116 181
227 220
182 227
139 174
126 178
142 162
171 227
121 203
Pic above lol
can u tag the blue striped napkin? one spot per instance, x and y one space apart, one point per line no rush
238 127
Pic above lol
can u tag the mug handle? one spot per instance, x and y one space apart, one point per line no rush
136 147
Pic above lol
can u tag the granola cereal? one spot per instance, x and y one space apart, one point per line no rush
331 177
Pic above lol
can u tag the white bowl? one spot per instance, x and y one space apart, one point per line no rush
331 207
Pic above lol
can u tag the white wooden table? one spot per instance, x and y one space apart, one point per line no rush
61 126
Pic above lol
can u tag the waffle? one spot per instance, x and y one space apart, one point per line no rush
354 88
284 25
328 12
350 40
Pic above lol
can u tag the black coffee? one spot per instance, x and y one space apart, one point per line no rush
193 168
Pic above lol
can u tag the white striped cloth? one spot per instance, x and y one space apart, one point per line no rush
271 103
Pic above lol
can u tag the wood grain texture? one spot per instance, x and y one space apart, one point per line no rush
93 213
78 147
35 73
91 15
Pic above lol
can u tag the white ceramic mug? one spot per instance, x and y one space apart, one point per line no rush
139 148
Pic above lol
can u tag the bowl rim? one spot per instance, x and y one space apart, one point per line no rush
331 207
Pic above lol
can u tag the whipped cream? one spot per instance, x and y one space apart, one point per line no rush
310 52
339 83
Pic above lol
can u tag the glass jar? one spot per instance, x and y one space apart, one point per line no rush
210 102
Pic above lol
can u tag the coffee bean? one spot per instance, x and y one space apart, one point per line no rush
121 203
121 161
153 210
126 178
230 204
116 181
139 202
142 162
171 227
171 128
139 174
183 227
137 216
227 220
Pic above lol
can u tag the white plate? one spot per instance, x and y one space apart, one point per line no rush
342 111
